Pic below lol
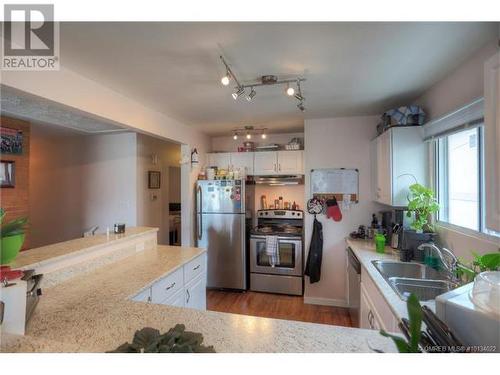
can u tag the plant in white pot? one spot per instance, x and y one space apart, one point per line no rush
421 205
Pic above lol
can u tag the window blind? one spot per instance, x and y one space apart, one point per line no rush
469 116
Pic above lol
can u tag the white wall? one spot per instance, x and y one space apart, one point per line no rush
336 143
459 88
228 144
152 204
78 181
72 89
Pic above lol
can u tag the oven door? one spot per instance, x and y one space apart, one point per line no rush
290 256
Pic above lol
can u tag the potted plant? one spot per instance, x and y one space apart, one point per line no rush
12 237
421 205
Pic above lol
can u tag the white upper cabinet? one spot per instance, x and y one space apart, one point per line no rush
219 160
242 160
400 160
492 141
290 162
265 163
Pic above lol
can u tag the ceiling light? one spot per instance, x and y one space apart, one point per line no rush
225 80
235 136
264 135
251 95
248 136
301 106
290 91
238 93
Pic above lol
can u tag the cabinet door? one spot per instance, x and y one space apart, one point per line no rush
196 293
265 163
383 191
369 318
176 300
144 296
243 160
290 162
219 160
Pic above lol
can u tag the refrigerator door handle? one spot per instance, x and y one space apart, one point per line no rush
199 221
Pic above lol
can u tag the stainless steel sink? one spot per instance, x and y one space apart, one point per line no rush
389 268
425 290
406 278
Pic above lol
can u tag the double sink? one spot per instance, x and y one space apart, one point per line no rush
406 278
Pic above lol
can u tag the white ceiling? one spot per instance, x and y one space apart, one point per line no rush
351 68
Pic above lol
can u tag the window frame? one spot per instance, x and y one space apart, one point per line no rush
440 172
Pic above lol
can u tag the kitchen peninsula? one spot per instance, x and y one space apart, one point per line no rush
92 309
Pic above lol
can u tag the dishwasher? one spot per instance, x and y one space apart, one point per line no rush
354 286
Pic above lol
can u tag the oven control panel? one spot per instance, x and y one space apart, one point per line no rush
281 214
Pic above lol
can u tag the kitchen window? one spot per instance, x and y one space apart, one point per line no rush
459 178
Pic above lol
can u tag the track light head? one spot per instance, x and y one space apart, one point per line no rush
238 93
290 91
225 80
301 107
264 135
251 95
235 136
299 97
248 136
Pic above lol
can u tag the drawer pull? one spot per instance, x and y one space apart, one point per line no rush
170 287
149 299
188 295
195 268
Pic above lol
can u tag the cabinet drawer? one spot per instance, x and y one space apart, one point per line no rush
167 287
195 268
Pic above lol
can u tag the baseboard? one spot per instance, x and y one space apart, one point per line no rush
325 301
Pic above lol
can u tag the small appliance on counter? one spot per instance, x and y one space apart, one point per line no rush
119 228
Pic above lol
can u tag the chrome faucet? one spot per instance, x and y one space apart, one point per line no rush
450 265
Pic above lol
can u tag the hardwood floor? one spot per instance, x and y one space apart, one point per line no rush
276 306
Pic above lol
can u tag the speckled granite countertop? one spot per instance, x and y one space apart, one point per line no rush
39 256
365 251
92 313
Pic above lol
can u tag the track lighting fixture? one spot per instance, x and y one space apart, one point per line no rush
301 107
238 93
249 132
251 95
265 80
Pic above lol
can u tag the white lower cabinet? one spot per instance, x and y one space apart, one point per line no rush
196 294
375 312
184 287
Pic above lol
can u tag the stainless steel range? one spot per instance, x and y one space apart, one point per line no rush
284 273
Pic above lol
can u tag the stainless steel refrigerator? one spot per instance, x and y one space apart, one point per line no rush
220 228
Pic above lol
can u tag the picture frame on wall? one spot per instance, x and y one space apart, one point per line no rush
11 141
154 179
7 174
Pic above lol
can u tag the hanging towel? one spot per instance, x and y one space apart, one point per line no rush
272 250
314 258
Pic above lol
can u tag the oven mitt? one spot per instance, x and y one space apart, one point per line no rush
333 210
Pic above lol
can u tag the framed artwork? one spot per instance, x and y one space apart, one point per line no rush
7 174
11 141
154 178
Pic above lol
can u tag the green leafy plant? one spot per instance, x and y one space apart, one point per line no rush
415 316
480 263
12 228
175 340
422 204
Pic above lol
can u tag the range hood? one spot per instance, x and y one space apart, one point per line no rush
279 180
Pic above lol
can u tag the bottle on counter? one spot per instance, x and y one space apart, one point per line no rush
281 205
